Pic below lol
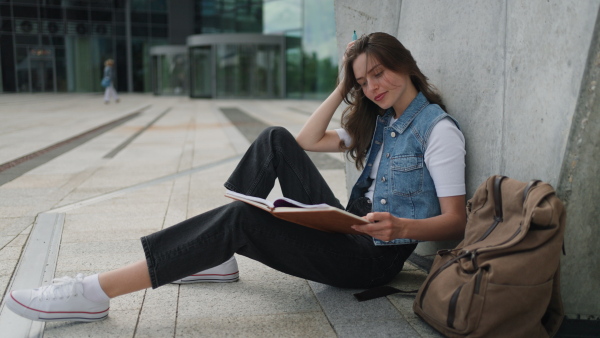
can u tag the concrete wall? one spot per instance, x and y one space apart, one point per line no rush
512 73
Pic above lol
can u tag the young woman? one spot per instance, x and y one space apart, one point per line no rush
411 189
110 91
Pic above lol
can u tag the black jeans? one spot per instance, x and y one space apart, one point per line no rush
211 238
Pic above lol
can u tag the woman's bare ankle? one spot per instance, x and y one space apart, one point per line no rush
125 280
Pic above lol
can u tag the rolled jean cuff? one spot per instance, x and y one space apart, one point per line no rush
150 262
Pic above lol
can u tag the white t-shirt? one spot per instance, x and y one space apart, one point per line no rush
444 158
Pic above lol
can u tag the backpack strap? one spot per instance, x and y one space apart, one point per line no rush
530 185
497 207
380 291
498 198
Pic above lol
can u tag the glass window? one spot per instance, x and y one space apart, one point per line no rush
158 5
5 11
120 16
280 16
48 12
58 41
139 5
22 70
245 70
140 50
98 15
139 30
227 69
25 11
201 71
42 75
120 3
319 48
82 64
26 39
77 14
121 64
139 17
237 74
61 70
160 31
294 72
6 26
76 3
98 3
229 16
120 30
159 18
268 61
172 73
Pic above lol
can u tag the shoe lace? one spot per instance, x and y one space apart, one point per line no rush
64 287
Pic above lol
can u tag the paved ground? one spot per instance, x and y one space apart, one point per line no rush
98 177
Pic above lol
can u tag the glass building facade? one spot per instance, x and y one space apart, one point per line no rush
61 46
237 65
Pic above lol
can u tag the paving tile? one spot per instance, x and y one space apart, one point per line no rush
377 328
159 312
404 305
9 256
246 297
4 280
343 309
19 241
308 324
12 226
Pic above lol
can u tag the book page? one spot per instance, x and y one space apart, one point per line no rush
256 201
288 202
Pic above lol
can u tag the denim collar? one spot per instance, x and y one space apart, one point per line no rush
413 109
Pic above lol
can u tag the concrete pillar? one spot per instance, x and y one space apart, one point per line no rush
579 189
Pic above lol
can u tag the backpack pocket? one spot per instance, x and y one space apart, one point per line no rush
455 305
515 308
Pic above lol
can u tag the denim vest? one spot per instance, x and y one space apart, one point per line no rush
403 186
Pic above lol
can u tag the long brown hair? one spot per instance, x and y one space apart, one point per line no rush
359 117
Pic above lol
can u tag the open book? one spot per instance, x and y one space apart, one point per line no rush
317 216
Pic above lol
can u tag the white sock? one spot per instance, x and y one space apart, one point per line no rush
92 289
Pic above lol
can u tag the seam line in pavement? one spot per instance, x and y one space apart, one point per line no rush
146 184
16 168
122 146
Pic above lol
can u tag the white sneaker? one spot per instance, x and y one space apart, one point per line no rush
226 272
61 301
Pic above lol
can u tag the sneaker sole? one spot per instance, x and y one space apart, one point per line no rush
208 278
46 316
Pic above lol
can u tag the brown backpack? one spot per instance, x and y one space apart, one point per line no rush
502 280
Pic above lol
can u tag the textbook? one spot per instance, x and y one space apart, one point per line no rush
317 216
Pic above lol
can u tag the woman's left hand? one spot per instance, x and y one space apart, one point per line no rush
383 226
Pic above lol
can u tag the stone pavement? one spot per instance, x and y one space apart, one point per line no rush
81 182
